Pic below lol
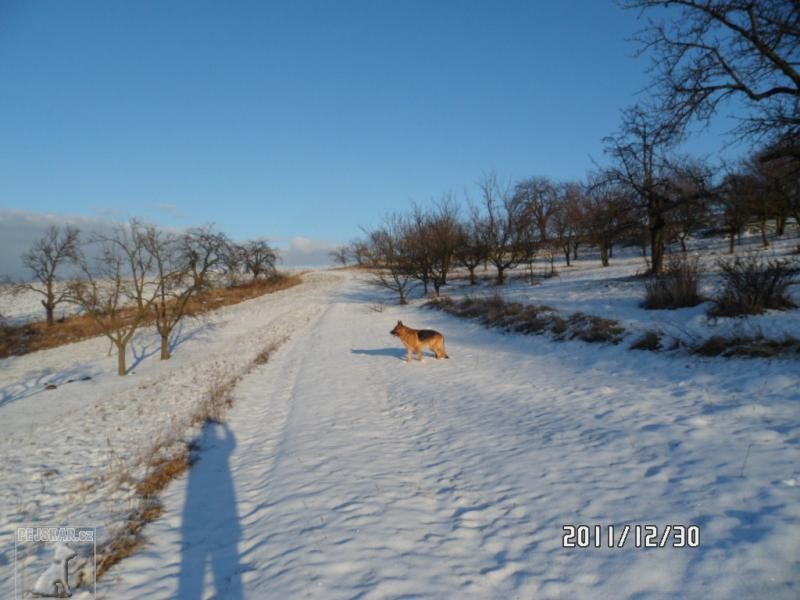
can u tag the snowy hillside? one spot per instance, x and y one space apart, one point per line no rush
342 471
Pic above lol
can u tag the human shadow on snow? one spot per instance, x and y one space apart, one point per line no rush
210 525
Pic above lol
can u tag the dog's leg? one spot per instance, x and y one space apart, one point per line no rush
409 359
419 354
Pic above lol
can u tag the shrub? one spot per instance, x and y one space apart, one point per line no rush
676 287
590 328
752 286
756 346
651 340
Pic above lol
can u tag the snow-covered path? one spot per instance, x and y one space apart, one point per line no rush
344 472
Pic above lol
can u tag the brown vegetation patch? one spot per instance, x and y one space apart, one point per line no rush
752 286
494 311
590 328
676 287
30 337
163 464
651 340
749 347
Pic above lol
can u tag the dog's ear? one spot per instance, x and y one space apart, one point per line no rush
399 322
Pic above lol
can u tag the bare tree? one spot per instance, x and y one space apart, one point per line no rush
608 214
783 179
340 254
567 218
203 250
359 251
389 256
233 262
691 194
259 258
47 255
115 291
706 54
735 197
181 266
470 250
537 198
433 240
502 226
419 247
643 166
128 240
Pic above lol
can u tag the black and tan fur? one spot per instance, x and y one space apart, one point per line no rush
416 340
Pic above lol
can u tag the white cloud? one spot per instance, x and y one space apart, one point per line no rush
305 252
20 229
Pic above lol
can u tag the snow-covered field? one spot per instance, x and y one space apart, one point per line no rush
26 306
344 472
616 292
64 449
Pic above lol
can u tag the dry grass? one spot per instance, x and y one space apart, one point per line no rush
651 340
263 357
590 328
752 286
748 347
165 460
494 311
22 339
676 287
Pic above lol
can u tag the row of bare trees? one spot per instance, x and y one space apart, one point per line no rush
649 197
136 273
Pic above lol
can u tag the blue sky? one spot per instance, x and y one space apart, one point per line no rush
287 119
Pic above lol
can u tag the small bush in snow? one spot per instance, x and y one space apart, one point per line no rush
590 328
675 287
651 340
752 286
756 346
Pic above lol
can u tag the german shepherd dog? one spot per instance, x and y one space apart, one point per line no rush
416 340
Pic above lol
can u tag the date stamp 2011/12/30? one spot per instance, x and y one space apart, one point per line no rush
635 536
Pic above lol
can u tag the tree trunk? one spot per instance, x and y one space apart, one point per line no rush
566 253
732 242
764 240
682 240
501 279
780 225
575 251
50 314
657 245
604 255
165 347
472 275
611 251
122 370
